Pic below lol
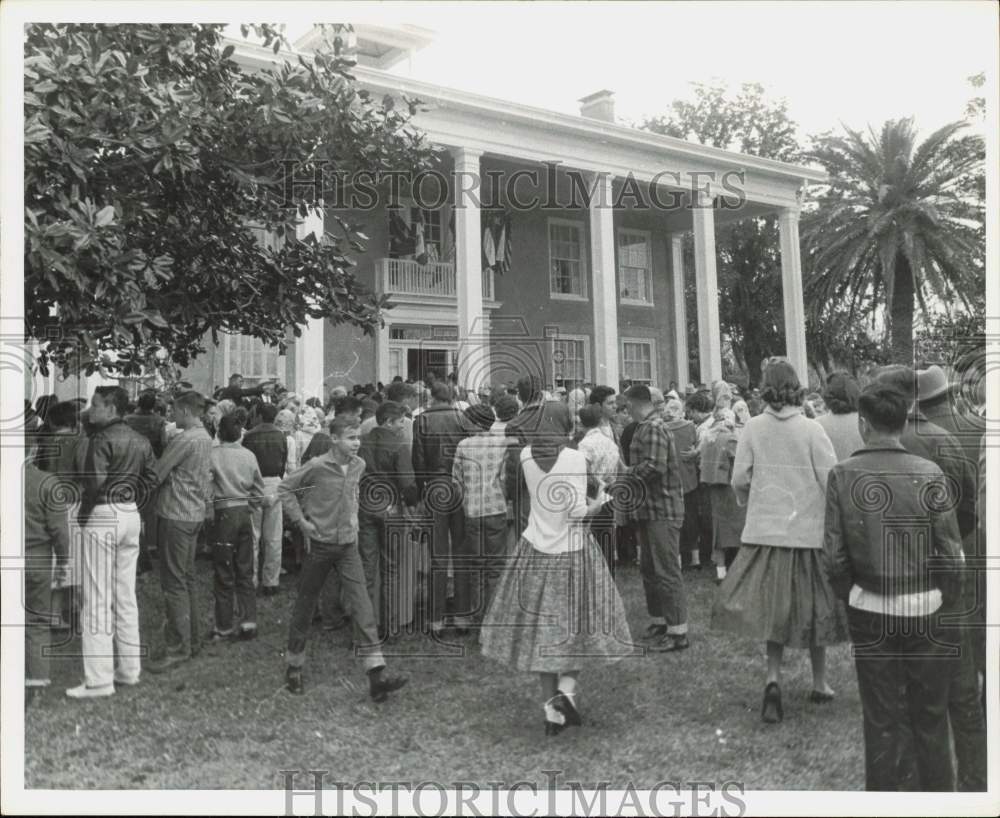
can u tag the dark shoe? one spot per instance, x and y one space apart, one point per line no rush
380 685
215 637
553 729
565 705
669 644
654 633
168 662
692 567
270 590
247 634
338 625
821 697
293 681
772 711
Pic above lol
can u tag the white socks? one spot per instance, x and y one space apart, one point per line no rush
553 715
695 557
567 685
720 571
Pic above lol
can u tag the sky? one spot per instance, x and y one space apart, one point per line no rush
845 62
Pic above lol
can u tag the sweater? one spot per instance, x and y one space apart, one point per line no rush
236 479
782 463
558 498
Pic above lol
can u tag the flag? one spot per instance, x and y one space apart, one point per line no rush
401 243
496 240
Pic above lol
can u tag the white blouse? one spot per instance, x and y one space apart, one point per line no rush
558 502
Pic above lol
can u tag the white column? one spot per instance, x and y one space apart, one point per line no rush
473 339
605 278
709 332
681 359
309 347
791 288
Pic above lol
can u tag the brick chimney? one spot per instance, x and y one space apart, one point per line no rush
600 105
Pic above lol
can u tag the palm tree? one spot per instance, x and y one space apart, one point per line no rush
895 224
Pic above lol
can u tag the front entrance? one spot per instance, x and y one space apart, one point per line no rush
421 361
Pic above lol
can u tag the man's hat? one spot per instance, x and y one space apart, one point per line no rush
931 383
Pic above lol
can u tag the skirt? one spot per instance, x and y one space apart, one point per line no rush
728 519
553 613
777 594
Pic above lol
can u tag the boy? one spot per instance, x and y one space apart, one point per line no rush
185 486
889 517
388 484
46 534
478 471
237 486
322 499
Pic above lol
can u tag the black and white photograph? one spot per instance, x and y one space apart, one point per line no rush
493 408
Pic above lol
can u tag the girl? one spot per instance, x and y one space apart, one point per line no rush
717 450
556 607
776 589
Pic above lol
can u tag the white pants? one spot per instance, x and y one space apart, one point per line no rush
266 522
110 549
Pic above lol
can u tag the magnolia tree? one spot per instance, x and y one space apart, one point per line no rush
151 156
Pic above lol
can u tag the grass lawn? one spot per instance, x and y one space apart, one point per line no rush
225 721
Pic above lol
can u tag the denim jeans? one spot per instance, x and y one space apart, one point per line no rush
232 555
37 614
371 533
484 556
894 654
660 567
968 723
178 540
447 541
343 559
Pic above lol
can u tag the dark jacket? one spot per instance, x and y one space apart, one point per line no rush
927 440
626 442
236 394
890 526
46 522
270 447
116 466
530 424
151 427
685 437
437 431
388 479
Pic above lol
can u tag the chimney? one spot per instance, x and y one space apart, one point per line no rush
600 105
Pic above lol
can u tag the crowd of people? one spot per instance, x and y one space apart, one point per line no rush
505 516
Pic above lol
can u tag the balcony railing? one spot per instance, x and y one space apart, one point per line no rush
436 278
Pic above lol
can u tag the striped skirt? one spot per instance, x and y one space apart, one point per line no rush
553 613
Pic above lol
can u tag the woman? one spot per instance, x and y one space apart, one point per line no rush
776 589
841 422
716 453
556 607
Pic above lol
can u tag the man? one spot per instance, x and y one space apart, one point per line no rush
117 472
152 426
656 504
685 437
895 604
656 396
698 546
270 446
605 398
387 486
925 439
436 435
478 471
184 475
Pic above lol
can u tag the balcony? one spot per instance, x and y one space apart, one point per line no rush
431 283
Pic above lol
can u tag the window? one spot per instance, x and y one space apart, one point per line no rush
568 273
432 233
638 360
570 360
252 358
404 222
634 267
